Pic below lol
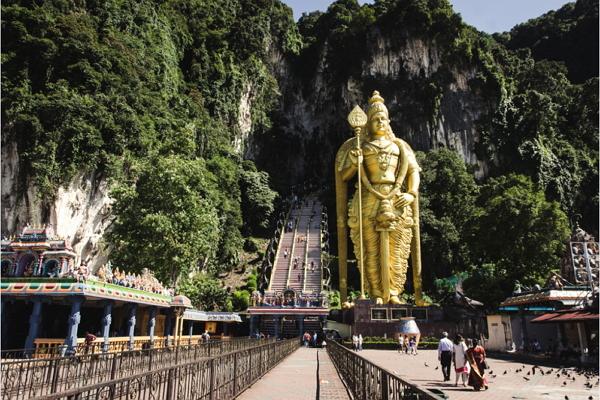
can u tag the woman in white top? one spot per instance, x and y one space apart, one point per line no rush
355 342
461 365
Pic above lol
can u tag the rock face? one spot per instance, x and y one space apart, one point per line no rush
79 212
313 111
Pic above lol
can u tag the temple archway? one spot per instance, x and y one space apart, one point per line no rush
6 267
25 262
51 268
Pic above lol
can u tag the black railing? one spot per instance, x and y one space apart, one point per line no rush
25 379
220 377
367 381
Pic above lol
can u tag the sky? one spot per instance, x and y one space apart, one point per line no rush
486 15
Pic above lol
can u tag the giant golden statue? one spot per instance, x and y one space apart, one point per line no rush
383 214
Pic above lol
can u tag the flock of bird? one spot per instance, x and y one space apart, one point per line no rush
568 375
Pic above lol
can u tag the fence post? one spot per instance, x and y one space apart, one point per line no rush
234 375
56 375
364 378
212 379
113 370
384 385
170 386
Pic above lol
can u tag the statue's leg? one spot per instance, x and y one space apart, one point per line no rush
371 249
400 240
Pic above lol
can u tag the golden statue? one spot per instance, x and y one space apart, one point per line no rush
383 214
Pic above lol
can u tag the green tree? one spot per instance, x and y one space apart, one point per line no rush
517 235
166 219
205 293
257 198
447 203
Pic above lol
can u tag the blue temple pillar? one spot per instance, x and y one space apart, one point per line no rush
34 324
74 320
252 325
131 325
106 321
151 325
277 323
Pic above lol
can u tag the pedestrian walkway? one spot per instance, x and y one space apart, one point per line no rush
508 380
296 378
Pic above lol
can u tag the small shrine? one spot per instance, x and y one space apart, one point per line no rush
36 252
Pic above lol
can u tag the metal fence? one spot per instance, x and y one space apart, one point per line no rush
220 377
25 379
367 381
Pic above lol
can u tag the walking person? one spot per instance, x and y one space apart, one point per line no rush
476 359
355 342
360 341
461 365
412 344
406 343
445 348
400 343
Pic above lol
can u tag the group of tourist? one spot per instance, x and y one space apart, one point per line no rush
357 342
407 344
288 300
312 340
469 361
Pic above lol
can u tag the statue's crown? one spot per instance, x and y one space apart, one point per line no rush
376 105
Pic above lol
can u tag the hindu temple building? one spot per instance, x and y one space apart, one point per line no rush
52 305
560 317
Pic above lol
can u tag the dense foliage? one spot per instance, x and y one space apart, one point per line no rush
490 235
159 96
146 92
563 35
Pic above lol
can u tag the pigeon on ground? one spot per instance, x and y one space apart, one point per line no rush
526 378
427 365
438 367
564 383
504 372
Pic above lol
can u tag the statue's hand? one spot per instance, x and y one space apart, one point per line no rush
356 156
404 199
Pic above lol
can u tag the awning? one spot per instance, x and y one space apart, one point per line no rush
197 315
567 316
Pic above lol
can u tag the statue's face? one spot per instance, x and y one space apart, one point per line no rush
379 124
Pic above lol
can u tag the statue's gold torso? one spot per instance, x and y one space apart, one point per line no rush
381 159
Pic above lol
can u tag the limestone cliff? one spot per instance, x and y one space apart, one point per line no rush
79 212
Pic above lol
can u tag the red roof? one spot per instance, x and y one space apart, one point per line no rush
567 316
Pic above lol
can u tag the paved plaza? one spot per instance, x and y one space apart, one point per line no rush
421 369
295 378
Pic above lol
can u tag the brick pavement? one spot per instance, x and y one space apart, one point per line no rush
511 385
295 378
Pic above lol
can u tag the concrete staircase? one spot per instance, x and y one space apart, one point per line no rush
304 244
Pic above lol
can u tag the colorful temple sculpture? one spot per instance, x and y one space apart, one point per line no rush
57 308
